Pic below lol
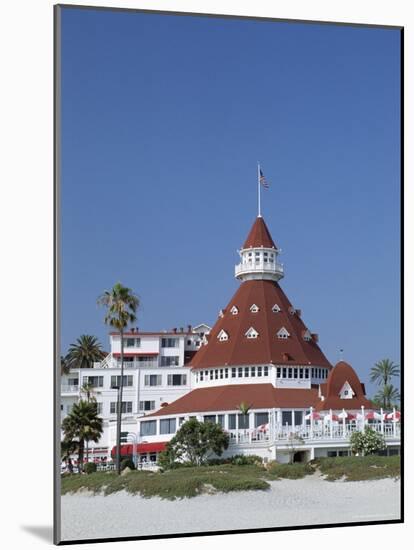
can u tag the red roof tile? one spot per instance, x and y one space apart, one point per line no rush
259 236
229 397
341 373
267 347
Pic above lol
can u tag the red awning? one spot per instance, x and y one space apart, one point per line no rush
136 354
128 448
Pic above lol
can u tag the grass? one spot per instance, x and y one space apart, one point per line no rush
193 481
358 468
172 484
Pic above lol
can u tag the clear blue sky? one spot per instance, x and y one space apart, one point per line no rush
163 121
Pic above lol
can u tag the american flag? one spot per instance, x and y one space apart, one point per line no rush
263 180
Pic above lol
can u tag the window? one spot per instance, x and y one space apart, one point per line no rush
298 418
126 407
220 420
210 418
284 371
223 336
286 418
254 308
169 342
148 428
291 310
170 361
189 342
246 372
275 308
290 372
61 407
232 421
306 373
261 418
233 373
127 381
146 405
266 371
234 310
295 373
94 381
132 342
73 381
307 336
99 408
167 426
240 372
153 380
283 333
253 371
243 421
177 379
251 333
211 375
201 376
181 420
226 373
259 371
216 374
332 454
301 373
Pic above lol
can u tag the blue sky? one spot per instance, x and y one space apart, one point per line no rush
163 121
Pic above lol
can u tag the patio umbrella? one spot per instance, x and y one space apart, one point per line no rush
313 416
333 417
372 415
263 428
392 416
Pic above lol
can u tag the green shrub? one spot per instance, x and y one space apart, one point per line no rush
246 460
296 470
367 442
127 463
89 468
358 468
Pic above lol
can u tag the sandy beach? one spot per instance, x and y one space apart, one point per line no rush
288 503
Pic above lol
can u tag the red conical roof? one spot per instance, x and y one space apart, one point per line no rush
259 235
267 347
341 373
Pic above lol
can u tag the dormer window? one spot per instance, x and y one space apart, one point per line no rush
254 308
251 333
283 333
275 308
346 391
292 310
222 336
234 310
307 336
221 313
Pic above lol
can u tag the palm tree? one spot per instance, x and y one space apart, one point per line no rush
383 371
88 389
64 367
84 352
82 425
387 396
122 305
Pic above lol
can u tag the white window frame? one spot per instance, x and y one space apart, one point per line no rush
276 308
222 336
234 310
251 334
254 308
283 333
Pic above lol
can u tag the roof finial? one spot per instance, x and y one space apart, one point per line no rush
261 180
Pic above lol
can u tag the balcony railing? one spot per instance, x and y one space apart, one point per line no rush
323 433
116 364
65 388
270 267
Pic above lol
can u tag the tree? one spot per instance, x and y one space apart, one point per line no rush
64 367
80 426
122 305
383 371
387 396
367 442
294 440
84 352
194 441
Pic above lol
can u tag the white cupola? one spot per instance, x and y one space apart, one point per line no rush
259 255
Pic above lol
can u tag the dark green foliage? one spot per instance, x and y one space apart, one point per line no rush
289 471
127 463
89 468
83 353
193 442
367 442
243 460
358 468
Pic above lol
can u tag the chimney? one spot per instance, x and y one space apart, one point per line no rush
299 312
174 330
136 328
315 337
189 328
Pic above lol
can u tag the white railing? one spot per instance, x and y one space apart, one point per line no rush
261 266
65 388
318 433
111 363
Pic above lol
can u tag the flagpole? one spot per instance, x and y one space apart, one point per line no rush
258 190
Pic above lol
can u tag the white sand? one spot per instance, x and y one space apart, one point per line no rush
288 503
